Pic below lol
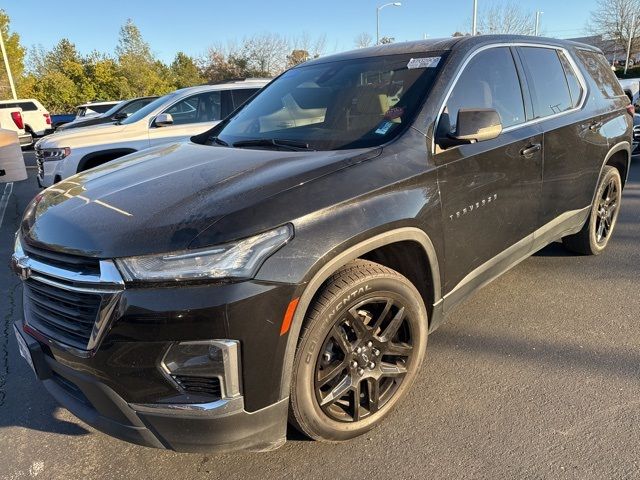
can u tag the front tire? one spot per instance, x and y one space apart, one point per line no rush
361 348
596 233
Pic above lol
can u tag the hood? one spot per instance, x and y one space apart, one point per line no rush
83 135
161 199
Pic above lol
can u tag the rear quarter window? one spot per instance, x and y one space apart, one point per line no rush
599 70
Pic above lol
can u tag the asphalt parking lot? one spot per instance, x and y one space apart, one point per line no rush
537 376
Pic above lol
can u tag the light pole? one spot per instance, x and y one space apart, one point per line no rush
392 4
8 68
474 21
631 34
537 31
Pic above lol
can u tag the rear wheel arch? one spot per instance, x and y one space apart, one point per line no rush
383 249
619 156
95 159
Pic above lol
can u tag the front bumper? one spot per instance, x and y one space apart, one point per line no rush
112 373
219 426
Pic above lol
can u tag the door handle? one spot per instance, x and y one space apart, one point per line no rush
531 150
595 126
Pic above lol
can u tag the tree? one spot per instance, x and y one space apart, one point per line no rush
16 54
387 40
506 18
145 75
363 40
185 71
296 57
266 54
614 19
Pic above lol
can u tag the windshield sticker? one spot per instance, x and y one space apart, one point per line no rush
394 112
428 62
384 127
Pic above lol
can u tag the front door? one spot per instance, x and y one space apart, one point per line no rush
490 190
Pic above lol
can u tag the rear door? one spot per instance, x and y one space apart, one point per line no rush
490 190
572 135
191 116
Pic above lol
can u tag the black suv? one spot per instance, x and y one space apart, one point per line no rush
289 263
118 112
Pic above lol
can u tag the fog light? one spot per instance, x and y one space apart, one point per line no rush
193 365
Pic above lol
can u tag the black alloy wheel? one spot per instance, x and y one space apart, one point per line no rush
360 349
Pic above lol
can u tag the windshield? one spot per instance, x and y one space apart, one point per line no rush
150 108
336 105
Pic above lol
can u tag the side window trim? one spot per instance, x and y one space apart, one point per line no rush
524 85
461 70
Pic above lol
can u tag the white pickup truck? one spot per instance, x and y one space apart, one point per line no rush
173 118
11 119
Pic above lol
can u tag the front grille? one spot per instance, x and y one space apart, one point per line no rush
199 385
86 265
636 133
67 298
61 314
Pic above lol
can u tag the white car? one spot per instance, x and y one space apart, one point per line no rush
11 119
91 109
173 118
36 118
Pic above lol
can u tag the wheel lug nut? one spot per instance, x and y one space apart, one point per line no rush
372 365
360 371
359 350
354 364
369 344
376 352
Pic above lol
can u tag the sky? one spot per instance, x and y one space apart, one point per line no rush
194 25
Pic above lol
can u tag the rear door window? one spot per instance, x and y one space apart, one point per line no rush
575 88
490 80
201 108
547 81
241 96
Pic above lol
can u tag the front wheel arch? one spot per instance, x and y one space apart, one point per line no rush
349 254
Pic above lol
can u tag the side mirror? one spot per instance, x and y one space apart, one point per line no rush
163 120
120 116
476 125
12 167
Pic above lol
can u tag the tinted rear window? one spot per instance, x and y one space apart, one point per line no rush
600 71
547 81
28 106
100 108
241 96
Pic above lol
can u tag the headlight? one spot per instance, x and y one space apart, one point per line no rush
240 259
51 154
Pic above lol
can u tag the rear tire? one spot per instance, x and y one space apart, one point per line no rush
596 233
361 347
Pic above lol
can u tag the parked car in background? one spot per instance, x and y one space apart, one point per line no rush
35 117
631 87
93 109
172 118
12 167
116 113
636 135
61 119
11 119
195 296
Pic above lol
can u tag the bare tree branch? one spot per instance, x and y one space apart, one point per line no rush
506 18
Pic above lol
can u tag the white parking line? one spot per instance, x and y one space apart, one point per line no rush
4 201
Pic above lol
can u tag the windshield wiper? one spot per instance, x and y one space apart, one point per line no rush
218 141
273 142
